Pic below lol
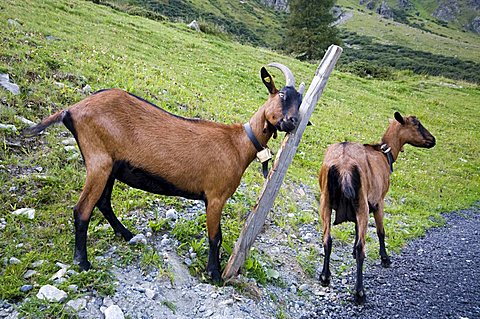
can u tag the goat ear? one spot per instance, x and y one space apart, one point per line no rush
268 81
399 118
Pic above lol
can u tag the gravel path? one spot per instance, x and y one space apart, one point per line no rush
437 276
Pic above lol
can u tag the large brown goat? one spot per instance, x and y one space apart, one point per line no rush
124 137
354 180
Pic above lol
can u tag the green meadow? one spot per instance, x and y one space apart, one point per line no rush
57 47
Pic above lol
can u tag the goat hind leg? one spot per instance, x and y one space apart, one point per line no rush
361 230
378 215
326 212
94 185
105 206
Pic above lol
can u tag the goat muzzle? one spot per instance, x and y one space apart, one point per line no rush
287 125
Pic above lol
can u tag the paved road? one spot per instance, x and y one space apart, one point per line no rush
437 276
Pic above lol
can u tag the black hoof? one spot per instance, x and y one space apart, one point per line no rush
324 280
83 265
360 298
215 276
126 235
386 263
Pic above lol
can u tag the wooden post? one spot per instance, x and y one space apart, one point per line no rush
256 219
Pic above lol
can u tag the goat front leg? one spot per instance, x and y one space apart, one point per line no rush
214 212
361 232
378 215
94 185
326 212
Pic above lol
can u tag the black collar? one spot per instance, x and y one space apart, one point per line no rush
258 147
388 153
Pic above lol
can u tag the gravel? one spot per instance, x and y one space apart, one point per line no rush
437 276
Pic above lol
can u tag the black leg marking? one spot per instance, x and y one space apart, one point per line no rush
105 206
325 275
213 266
360 297
383 252
80 254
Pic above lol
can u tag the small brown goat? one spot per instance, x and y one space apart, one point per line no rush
354 180
124 137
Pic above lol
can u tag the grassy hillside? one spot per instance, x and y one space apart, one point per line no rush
434 38
413 40
244 21
56 48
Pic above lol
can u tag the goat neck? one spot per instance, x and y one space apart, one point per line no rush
393 140
262 131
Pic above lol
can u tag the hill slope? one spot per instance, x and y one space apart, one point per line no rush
60 51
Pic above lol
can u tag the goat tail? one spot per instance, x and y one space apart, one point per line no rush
344 192
52 119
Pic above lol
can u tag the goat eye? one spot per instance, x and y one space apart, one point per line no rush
282 95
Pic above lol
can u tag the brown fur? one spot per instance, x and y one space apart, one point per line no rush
373 184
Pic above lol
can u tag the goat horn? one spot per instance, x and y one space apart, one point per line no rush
301 88
289 78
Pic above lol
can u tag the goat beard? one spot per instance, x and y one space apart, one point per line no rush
270 128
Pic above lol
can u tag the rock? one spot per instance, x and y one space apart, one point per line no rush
188 262
304 287
447 10
28 212
385 11
194 25
51 294
51 38
107 302
279 5
69 141
26 288
165 242
77 304
73 288
151 294
13 23
38 263
14 261
24 120
475 24
70 148
8 127
7 85
29 273
87 89
138 239
62 265
172 214
226 302
59 274
114 312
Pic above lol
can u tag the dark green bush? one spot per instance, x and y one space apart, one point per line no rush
368 70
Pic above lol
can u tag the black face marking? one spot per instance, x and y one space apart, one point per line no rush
291 101
141 179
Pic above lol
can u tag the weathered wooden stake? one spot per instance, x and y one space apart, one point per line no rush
256 219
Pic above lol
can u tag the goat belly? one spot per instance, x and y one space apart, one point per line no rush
139 178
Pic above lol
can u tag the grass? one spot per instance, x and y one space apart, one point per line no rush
440 40
60 46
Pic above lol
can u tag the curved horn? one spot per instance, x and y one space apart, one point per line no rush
289 78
